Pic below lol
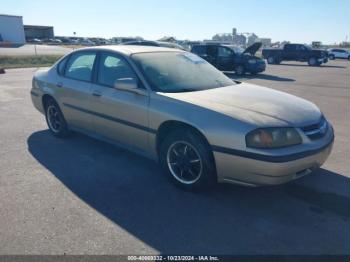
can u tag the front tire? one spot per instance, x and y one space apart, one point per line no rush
55 119
239 70
187 160
349 58
312 61
331 57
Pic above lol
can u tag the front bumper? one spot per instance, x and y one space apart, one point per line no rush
256 68
323 60
247 171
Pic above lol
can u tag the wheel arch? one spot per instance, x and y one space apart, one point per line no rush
171 125
45 98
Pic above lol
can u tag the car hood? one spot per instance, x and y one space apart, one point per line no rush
253 48
319 51
254 104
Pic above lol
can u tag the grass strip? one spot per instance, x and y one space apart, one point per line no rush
28 61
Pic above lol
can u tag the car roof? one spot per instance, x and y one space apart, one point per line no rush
208 44
140 41
130 49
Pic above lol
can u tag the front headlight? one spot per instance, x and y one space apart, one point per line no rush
273 137
252 61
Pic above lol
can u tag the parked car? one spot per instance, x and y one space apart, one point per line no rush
86 42
175 107
296 52
54 40
65 40
74 41
229 58
34 41
334 53
154 43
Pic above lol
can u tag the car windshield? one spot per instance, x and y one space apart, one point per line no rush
236 49
173 72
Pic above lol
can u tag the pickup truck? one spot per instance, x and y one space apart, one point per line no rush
295 52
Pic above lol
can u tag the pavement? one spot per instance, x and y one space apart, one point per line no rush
82 196
30 49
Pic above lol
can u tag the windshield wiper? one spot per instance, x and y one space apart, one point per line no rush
183 90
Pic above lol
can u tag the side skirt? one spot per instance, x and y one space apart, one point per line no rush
113 142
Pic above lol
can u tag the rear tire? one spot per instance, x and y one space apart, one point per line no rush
349 58
271 60
188 161
331 57
55 119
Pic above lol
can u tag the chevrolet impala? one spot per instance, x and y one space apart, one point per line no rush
174 107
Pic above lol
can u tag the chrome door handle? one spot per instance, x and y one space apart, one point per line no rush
96 93
59 84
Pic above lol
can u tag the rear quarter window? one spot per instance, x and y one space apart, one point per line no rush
61 66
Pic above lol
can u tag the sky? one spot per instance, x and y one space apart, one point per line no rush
300 21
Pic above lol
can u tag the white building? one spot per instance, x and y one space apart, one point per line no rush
251 38
266 42
11 30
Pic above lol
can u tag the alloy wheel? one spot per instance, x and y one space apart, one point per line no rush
53 118
184 162
270 60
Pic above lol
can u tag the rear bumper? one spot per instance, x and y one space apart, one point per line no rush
245 170
36 97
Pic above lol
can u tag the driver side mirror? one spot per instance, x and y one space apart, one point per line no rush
128 85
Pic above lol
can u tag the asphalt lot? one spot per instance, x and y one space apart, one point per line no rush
30 49
81 196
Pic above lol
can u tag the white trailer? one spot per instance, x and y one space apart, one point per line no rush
11 30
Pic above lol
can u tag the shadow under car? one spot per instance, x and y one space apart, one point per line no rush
308 216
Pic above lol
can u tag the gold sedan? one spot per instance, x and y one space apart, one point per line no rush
174 107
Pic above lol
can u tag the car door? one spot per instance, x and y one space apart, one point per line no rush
212 54
225 59
290 53
119 115
303 53
200 50
75 89
342 54
336 53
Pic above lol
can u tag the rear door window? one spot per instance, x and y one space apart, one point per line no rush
200 50
290 48
61 66
212 50
302 48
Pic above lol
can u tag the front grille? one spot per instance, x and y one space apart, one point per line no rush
316 131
